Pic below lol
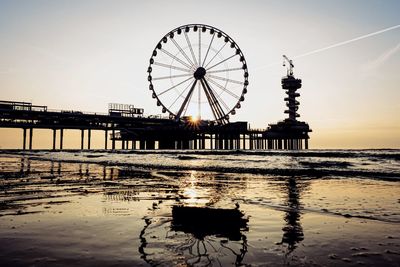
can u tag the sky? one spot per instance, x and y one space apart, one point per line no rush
82 55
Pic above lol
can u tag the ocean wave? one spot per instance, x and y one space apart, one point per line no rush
316 172
326 164
393 154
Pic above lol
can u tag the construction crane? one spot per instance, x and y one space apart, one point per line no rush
289 67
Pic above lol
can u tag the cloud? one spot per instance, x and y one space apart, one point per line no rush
385 56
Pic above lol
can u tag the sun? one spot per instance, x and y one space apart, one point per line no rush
195 119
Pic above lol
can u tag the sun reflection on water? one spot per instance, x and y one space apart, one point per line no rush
191 192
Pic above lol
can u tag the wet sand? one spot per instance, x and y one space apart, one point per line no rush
62 214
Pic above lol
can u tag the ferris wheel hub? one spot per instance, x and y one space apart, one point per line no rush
199 73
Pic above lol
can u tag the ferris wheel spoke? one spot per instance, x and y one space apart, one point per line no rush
224 70
183 53
199 99
176 85
185 102
208 50
191 48
176 58
216 54
172 76
225 79
222 61
199 48
170 66
180 95
187 106
223 88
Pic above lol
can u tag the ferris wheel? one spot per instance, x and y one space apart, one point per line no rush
198 71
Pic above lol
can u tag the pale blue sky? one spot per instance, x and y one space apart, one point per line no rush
84 54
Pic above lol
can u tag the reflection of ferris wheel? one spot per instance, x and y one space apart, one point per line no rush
199 71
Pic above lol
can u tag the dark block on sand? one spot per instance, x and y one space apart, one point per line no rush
202 222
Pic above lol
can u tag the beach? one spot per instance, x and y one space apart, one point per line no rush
306 208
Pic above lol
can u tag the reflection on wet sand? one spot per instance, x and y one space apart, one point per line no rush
201 218
293 231
179 222
191 230
202 222
195 236
199 234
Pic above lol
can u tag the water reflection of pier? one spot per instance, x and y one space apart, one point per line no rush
292 230
217 237
196 239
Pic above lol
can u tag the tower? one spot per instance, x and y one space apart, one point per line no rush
289 133
291 85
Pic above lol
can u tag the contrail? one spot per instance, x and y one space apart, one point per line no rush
334 45
348 41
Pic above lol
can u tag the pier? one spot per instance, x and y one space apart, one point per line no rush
187 89
125 124
133 131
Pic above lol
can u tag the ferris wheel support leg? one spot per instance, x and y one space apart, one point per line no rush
214 104
185 102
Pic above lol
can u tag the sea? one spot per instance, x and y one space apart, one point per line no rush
200 208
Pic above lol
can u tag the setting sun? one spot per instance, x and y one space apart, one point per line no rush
195 120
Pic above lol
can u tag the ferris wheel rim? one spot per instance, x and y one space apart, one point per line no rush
192 70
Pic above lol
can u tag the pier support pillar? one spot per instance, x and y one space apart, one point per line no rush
142 144
89 138
30 138
105 139
61 138
24 139
306 143
82 138
113 139
221 142
54 138
150 144
195 142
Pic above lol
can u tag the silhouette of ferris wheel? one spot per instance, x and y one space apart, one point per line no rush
198 71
